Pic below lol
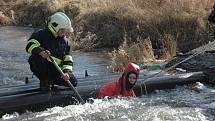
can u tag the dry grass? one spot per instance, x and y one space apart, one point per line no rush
170 25
173 25
140 52
109 20
35 12
4 20
170 47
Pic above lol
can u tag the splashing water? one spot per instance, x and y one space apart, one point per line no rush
180 104
136 109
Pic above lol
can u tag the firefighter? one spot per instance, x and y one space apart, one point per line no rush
52 42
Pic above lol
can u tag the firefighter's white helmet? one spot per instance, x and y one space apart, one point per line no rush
61 20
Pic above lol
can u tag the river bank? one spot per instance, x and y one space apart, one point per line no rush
139 31
182 103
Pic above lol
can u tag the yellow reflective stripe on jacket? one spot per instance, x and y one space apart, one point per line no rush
31 48
36 44
34 41
68 58
69 67
51 28
57 60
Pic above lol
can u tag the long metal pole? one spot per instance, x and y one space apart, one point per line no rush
69 83
171 67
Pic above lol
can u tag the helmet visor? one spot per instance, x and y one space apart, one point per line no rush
70 29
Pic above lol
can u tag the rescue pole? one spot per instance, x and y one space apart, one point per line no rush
143 82
69 83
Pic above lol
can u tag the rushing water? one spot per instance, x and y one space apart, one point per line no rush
180 104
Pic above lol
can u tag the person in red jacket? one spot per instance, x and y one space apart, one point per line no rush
124 86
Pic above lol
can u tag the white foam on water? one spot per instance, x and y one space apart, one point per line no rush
166 113
100 108
118 110
10 116
134 109
9 81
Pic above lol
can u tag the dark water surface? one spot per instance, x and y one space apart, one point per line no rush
180 104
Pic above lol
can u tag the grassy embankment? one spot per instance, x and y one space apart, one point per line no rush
133 27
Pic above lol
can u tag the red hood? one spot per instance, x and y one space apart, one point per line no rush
130 67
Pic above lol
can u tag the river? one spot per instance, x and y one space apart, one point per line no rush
180 104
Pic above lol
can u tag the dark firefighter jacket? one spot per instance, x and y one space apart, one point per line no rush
58 46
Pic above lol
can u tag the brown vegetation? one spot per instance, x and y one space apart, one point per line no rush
144 25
